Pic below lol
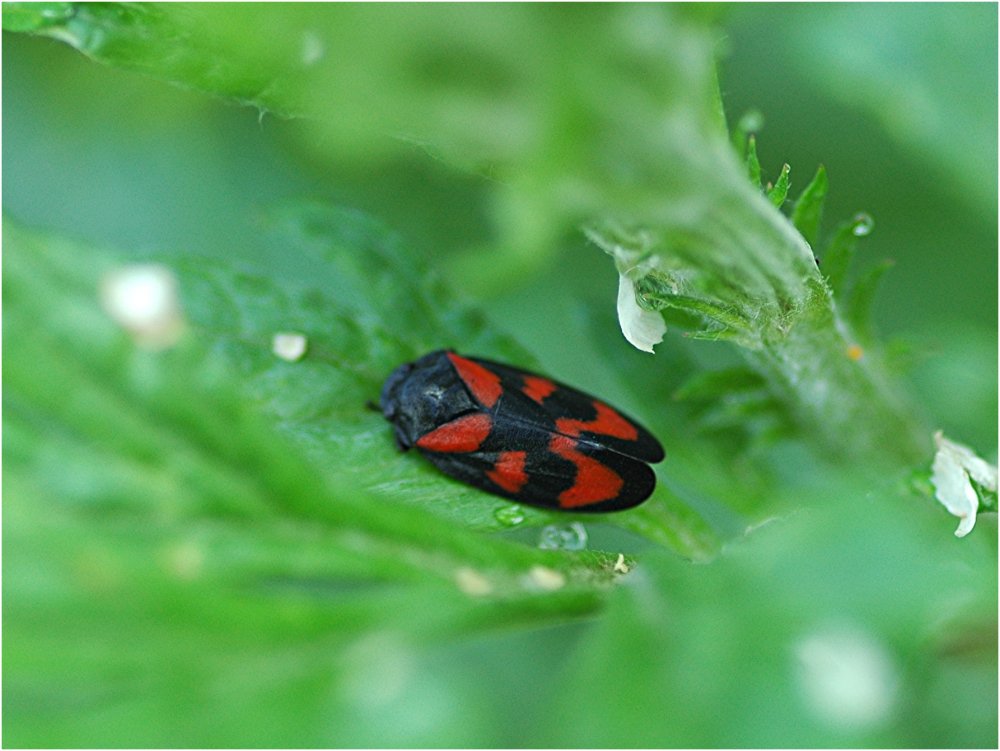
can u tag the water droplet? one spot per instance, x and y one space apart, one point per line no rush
509 516
751 121
863 225
572 536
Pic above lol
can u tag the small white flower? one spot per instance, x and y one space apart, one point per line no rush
847 678
472 583
955 467
289 346
642 328
143 299
620 566
546 578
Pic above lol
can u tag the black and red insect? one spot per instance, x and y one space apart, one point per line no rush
520 435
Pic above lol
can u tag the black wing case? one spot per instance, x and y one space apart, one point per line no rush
575 413
532 465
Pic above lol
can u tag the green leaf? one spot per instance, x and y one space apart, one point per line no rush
839 253
713 384
759 288
155 39
198 553
861 299
808 209
737 402
779 192
753 164
388 309
541 140
35 16
854 56
838 621
164 536
469 84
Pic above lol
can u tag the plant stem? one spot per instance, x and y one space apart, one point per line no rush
741 257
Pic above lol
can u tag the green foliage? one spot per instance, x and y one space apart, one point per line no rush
172 559
501 92
684 664
859 306
779 191
387 310
868 59
745 142
753 164
839 253
737 401
35 16
166 492
747 125
211 546
808 209
761 289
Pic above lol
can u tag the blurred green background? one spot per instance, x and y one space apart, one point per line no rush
144 606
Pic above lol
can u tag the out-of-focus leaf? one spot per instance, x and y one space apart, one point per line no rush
753 164
862 296
679 642
837 256
163 539
714 384
748 124
808 211
926 76
35 16
525 96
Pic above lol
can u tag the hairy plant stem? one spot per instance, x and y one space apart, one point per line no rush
740 267
838 393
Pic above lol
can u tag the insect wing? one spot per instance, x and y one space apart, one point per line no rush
576 414
535 466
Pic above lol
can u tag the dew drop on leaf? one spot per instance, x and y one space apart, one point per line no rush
572 536
863 225
509 515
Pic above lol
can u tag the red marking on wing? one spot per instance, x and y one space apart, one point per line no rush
458 436
508 472
538 388
607 422
594 481
484 384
